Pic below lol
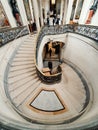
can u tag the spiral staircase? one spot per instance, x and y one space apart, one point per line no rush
36 104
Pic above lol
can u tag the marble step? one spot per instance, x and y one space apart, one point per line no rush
26 66
18 91
21 82
18 63
21 97
34 35
26 49
27 95
16 73
20 77
26 52
30 39
22 58
27 46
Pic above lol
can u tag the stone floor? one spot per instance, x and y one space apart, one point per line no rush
55 63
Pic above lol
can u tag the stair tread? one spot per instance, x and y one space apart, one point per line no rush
17 92
20 77
22 58
25 66
22 63
15 73
15 85
23 96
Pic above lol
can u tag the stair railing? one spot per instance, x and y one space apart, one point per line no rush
10 34
84 30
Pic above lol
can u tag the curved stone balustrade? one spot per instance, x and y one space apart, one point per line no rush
85 30
49 79
7 35
88 31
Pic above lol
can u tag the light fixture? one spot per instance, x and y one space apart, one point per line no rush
53 1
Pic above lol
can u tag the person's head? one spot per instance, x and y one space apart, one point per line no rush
13 1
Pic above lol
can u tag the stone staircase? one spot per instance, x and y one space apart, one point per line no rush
22 73
24 87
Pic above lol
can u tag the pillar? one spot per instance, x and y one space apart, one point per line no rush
36 14
46 7
67 11
41 13
62 11
31 10
75 9
22 12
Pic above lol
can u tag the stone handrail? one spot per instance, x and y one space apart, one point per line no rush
85 30
7 35
49 79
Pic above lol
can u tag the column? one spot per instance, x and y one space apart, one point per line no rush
8 13
46 7
67 11
36 14
78 9
41 13
22 12
31 10
62 11
75 9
